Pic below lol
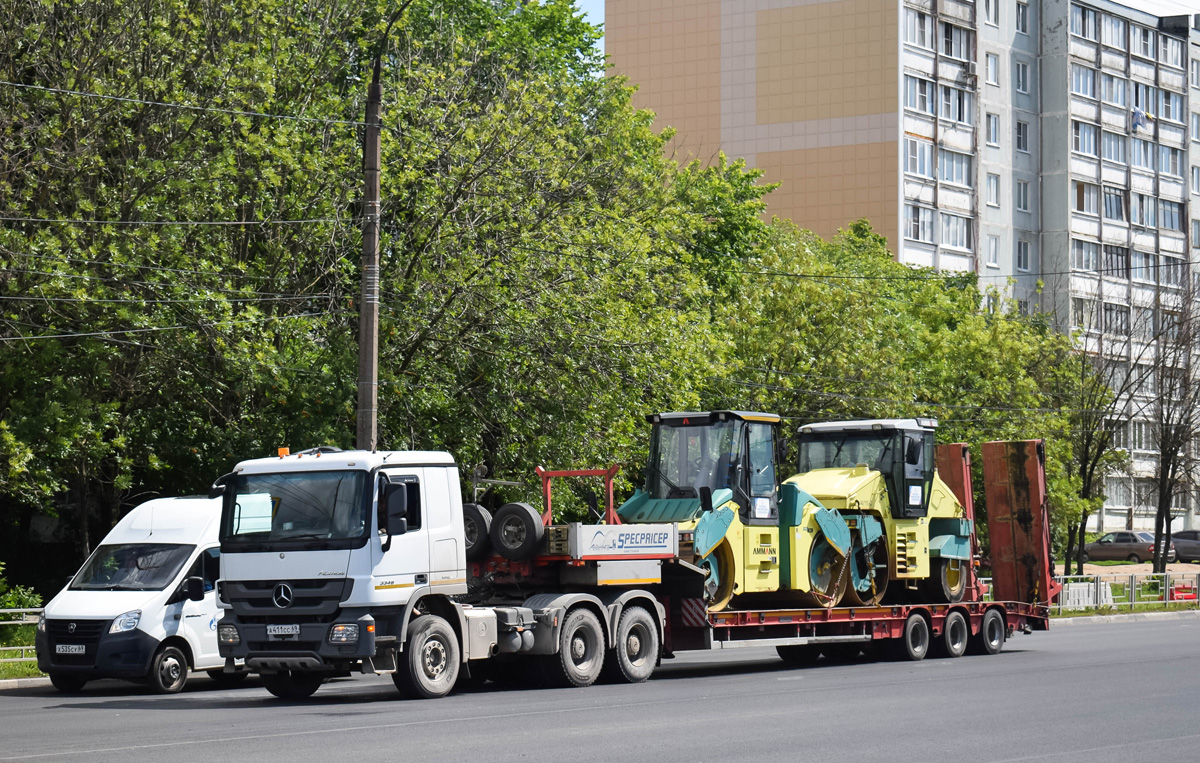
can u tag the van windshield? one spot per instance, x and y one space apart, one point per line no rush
132 567
290 506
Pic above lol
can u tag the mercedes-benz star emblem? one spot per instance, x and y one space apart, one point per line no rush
71 628
283 596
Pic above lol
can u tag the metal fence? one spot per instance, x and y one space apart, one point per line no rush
1124 592
18 617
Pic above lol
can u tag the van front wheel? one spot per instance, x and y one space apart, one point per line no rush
168 671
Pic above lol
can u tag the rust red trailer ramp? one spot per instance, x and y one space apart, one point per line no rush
1014 477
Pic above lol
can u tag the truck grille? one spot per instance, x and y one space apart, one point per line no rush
251 598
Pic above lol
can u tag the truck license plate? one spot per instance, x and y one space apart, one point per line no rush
69 648
283 631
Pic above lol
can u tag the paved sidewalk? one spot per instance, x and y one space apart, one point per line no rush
23 683
1128 617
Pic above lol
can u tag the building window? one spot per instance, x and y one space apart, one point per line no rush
956 232
1083 313
1116 262
957 42
1087 198
1116 320
1143 42
1112 31
1195 72
1023 256
993 69
1141 266
1023 18
993 190
1196 128
993 252
957 105
918 29
1141 436
1196 234
1083 80
993 129
1143 378
1085 255
1023 136
1143 210
920 223
918 94
956 168
1083 22
1021 191
1172 52
1114 204
1170 215
1145 97
1112 146
1143 323
1170 271
1112 89
1170 161
1084 138
918 157
991 12
1172 107
1021 77
1143 154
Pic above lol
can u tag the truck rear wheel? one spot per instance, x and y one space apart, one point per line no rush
580 654
955 634
292 684
516 531
431 659
990 639
635 653
913 643
477 523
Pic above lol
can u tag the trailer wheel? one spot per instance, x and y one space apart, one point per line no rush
955 635
799 655
292 685
990 639
913 643
516 531
477 523
431 659
67 684
580 654
168 671
635 653
947 581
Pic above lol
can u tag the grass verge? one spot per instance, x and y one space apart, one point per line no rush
27 669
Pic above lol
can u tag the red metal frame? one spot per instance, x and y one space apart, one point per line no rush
953 462
610 513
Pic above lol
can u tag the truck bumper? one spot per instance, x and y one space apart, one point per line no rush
311 650
115 655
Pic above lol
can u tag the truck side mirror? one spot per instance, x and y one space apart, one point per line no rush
706 498
781 449
193 588
912 452
395 496
218 488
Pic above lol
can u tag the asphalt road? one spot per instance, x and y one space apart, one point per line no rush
1099 692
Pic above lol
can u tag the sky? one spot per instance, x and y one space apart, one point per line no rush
594 11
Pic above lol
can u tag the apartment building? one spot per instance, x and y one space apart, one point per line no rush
1052 147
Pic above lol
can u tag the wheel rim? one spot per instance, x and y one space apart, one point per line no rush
956 635
917 640
170 670
637 644
470 531
583 648
954 574
512 532
433 658
993 631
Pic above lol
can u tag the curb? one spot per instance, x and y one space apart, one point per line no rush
1186 614
23 683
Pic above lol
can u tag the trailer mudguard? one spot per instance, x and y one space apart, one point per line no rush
616 602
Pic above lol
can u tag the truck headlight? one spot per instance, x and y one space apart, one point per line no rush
228 634
126 622
344 633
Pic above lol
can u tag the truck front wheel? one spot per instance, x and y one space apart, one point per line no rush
431 660
292 685
580 651
168 671
635 653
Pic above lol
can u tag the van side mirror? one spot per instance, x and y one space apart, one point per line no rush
395 496
193 588
218 488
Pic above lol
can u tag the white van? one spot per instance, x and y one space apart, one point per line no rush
144 605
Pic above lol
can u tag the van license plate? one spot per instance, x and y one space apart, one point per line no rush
283 630
70 648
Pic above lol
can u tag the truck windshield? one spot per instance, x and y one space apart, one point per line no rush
843 450
685 458
132 567
295 506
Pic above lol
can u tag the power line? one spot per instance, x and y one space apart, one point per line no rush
182 106
135 301
162 328
124 282
69 221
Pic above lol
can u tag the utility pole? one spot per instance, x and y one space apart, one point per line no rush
367 430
